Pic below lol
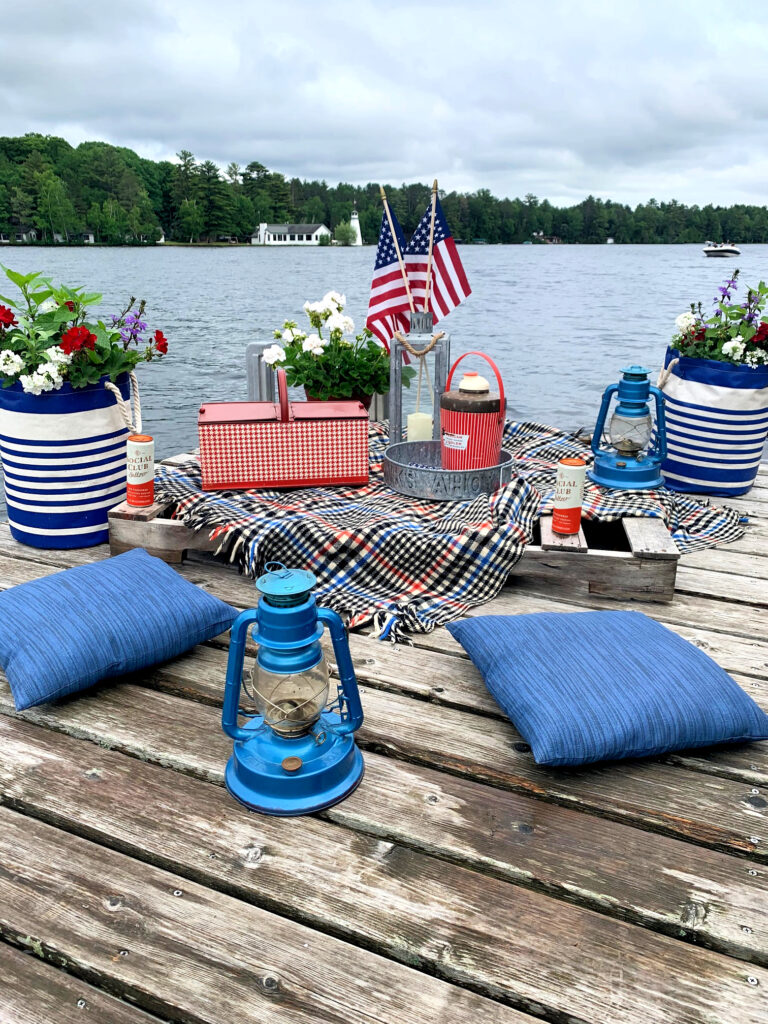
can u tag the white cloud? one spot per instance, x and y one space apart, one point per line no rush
624 100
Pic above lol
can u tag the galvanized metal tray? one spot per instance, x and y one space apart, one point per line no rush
413 468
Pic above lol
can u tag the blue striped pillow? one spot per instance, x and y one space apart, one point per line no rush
594 686
64 632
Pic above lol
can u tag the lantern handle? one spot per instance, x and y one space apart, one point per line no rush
661 421
597 436
503 401
238 635
346 671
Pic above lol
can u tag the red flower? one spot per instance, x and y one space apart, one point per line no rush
161 343
762 333
7 319
70 305
75 339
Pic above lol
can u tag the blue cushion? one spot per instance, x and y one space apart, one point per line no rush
64 632
594 686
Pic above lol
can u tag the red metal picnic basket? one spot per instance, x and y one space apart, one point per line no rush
283 443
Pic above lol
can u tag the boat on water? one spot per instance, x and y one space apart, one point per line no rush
721 249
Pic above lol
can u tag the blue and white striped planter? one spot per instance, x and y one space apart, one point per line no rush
717 423
64 463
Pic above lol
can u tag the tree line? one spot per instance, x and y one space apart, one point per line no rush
61 191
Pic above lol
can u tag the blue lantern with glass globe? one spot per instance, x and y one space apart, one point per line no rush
633 459
298 754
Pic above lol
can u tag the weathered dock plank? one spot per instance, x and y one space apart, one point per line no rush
185 735
311 869
180 949
32 992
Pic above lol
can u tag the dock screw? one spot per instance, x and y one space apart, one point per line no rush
752 980
746 930
81 1004
754 839
432 799
123 952
271 983
754 790
752 871
178 892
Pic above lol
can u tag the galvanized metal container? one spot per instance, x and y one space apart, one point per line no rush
413 468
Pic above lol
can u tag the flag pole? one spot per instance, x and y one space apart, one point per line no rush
431 243
397 249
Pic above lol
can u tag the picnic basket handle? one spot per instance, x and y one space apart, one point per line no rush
503 402
282 394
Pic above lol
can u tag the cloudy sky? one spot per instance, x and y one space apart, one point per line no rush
625 99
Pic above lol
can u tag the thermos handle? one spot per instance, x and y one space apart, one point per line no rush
282 394
238 636
503 402
346 670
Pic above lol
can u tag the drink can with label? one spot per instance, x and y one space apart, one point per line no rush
569 492
141 470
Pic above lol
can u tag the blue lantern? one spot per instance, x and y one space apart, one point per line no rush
634 459
297 755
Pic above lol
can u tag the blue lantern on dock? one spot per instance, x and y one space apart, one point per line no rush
633 460
297 755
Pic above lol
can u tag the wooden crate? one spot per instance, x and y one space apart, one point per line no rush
153 529
627 559
631 558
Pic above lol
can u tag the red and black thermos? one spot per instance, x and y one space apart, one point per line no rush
472 419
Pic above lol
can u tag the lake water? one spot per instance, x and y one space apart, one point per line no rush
560 321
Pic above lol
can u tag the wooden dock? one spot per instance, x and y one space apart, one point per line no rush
460 883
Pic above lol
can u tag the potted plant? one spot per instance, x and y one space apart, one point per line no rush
332 362
715 384
65 379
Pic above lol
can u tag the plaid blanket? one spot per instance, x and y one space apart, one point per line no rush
409 565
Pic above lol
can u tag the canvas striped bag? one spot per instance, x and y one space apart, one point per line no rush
64 462
717 423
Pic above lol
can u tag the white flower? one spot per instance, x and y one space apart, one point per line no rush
734 348
314 341
292 334
339 322
685 322
30 383
47 306
10 363
334 301
315 307
273 354
57 355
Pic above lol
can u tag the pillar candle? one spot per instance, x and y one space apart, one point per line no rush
419 426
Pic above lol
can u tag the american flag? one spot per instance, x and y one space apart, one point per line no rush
449 284
388 306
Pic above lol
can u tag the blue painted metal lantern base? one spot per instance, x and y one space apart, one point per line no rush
329 770
625 473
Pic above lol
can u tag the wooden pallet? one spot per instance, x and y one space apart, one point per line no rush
153 529
633 558
628 559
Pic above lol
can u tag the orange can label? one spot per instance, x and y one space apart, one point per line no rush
140 470
569 493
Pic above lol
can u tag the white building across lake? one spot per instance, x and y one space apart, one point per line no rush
290 234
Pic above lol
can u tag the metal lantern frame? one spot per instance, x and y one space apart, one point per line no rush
277 771
613 468
419 338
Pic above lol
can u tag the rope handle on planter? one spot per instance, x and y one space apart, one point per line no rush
666 373
124 407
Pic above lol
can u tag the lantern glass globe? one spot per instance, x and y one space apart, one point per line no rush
291 703
630 434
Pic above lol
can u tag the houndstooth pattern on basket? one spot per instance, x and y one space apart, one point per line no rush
270 454
408 564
